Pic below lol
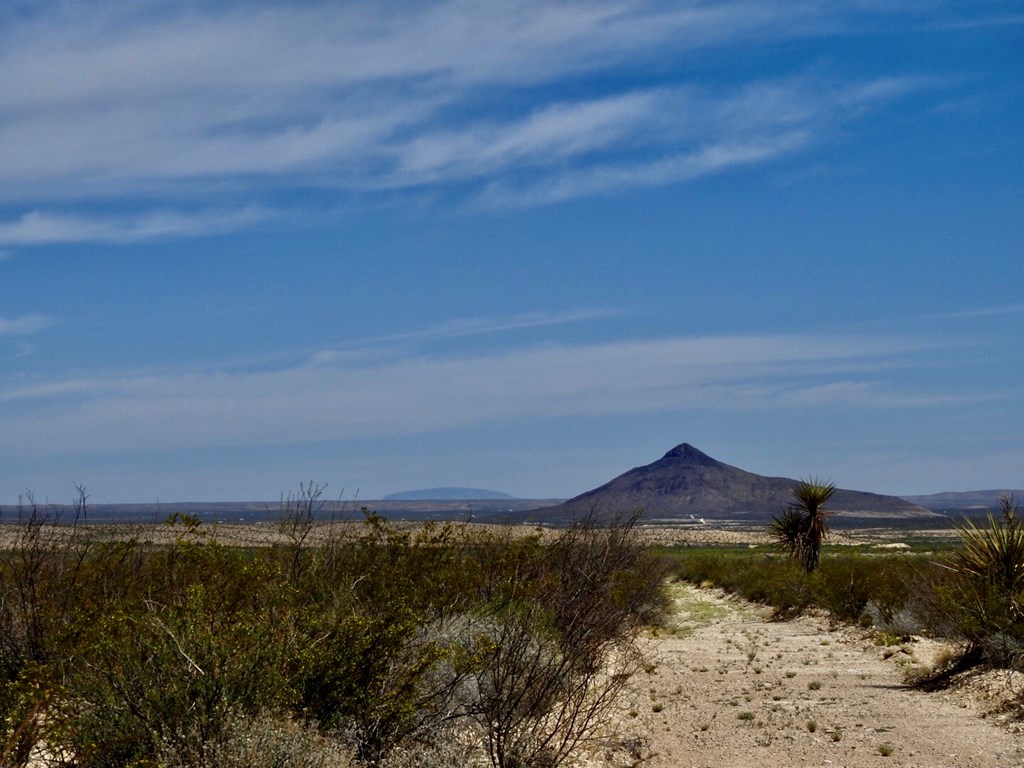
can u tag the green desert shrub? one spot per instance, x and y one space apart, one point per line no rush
372 677
853 587
554 664
195 642
846 584
753 575
376 646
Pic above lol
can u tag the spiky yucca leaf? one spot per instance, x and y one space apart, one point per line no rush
992 553
787 530
812 495
990 588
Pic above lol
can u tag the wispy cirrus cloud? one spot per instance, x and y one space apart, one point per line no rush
598 179
122 52
24 325
1009 309
39 228
466 327
981 21
238 102
421 393
703 133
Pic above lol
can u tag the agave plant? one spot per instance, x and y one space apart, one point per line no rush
803 525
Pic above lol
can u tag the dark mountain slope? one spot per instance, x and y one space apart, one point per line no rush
687 482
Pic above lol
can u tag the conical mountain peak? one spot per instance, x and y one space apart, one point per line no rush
686 484
684 453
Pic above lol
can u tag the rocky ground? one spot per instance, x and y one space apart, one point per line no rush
732 688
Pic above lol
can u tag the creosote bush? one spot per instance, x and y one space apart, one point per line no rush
390 646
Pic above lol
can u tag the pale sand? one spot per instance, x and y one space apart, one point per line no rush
733 689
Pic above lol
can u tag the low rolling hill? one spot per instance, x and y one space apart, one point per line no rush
964 501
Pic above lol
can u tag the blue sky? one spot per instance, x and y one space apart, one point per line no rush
523 245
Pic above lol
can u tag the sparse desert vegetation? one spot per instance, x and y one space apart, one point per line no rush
364 647
454 645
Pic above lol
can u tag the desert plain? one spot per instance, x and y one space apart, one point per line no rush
728 686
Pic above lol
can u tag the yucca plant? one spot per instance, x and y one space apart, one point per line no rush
993 553
989 589
803 525
983 602
787 531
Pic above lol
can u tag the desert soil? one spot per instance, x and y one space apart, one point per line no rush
729 687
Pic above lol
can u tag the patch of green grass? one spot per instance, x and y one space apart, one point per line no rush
693 609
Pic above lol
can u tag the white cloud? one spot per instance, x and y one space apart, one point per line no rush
548 136
464 327
709 133
123 54
37 227
24 325
598 179
997 20
1010 309
394 396
126 101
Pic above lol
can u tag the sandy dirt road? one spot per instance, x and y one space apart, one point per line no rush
732 688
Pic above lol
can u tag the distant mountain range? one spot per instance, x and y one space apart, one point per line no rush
683 486
964 501
447 494
686 483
